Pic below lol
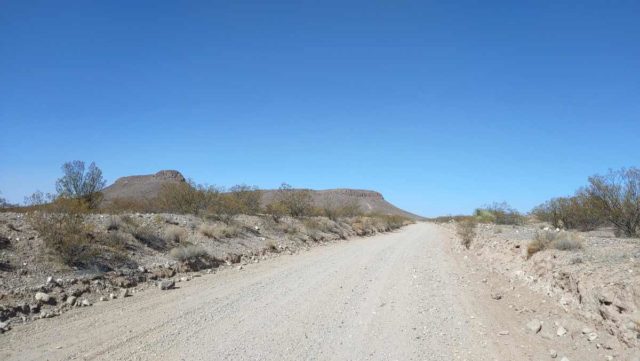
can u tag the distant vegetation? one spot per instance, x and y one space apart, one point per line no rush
610 199
60 218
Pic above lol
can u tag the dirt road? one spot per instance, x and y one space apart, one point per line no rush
397 296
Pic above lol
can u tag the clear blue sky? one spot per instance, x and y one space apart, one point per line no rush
440 105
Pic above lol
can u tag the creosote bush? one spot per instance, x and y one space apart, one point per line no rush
499 213
610 199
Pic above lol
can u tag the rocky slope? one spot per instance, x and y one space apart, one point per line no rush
599 283
35 284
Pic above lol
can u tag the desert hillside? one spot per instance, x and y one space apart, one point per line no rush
145 187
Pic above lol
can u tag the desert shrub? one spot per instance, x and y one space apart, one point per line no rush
175 234
277 211
466 229
187 252
130 205
186 198
77 183
272 246
4 242
114 223
484 216
293 202
617 196
219 231
148 236
66 235
500 213
577 212
335 210
114 240
73 242
563 241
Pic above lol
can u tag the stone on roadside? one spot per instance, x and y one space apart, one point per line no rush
166 284
534 326
42 297
71 300
561 331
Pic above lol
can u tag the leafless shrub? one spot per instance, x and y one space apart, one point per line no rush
466 229
577 212
335 210
292 202
80 184
617 194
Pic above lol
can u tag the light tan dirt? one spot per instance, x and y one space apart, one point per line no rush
397 296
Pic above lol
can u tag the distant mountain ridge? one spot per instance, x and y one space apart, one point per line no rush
139 187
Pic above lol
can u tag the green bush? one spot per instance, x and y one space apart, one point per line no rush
499 213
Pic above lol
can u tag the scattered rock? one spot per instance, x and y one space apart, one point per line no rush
587 330
561 331
592 336
103 298
496 295
534 326
43 297
564 359
71 300
86 302
503 333
553 353
125 293
166 284
112 296
4 327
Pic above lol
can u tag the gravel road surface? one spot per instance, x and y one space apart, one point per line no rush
396 296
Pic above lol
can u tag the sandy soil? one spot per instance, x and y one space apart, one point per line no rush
400 296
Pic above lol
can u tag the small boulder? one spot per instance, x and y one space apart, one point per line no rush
125 293
71 300
166 284
86 302
43 297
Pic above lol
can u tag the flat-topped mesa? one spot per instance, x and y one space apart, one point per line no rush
163 175
139 187
358 193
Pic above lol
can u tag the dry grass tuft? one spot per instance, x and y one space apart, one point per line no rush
563 241
219 231
187 253
466 229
